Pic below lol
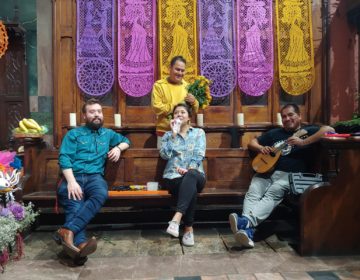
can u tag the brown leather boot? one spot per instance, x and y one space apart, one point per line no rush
88 247
66 238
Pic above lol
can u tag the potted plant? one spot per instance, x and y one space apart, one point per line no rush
15 217
350 126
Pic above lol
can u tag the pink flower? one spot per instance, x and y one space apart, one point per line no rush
7 157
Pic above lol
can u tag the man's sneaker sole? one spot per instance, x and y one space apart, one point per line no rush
243 239
233 222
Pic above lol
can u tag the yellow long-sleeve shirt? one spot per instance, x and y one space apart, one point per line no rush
163 100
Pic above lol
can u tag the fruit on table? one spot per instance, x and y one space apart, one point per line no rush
29 126
30 123
22 126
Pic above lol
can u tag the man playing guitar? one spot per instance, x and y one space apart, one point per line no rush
267 189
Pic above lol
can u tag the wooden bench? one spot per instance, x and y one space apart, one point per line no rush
228 173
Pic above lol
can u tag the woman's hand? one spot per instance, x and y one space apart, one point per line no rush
181 171
175 127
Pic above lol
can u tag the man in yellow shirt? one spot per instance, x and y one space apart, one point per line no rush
169 92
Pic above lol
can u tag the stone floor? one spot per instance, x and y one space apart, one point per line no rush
152 254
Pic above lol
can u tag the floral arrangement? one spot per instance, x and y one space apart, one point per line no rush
14 217
200 88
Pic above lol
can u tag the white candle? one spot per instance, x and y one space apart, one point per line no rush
200 119
158 142
279 119
240 119
72 119
117 120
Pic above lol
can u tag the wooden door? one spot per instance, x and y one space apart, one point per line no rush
14 103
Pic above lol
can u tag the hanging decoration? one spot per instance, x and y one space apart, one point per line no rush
4 40
295 45
255 46
217 45
177 35
95 46
136 46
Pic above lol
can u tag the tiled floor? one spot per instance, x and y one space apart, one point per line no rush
151 254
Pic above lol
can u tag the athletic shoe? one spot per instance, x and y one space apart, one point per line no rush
173 229
233 220
188 239
244 237
237 223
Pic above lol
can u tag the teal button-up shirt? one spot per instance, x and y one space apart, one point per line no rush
188 152
85 151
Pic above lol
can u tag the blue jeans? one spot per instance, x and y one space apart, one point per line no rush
78 213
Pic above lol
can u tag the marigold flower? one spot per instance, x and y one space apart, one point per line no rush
201 91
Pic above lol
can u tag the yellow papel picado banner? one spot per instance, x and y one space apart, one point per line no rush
177 35
295 45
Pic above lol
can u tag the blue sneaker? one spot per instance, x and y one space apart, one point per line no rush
237 223
245 237
243 222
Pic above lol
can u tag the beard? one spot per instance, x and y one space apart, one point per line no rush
93 125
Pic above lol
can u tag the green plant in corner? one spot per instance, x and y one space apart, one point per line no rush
352 125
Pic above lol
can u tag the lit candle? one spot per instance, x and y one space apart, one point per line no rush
72 119
200 119
117 120
240 119
279 119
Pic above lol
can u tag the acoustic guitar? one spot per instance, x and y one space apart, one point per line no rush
265 163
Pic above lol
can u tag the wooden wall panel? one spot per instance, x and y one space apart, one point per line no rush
115 172
142 140
218 140
65 89
230 171
146 169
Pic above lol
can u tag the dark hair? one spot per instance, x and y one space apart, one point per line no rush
90 101
293 105
176 58
186 106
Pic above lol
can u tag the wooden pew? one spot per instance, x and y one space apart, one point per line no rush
228 173
330 223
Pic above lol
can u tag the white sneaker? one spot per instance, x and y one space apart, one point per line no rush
173 229
233 220
244 238
188 239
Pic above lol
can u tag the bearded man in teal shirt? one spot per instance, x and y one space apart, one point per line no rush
83 191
